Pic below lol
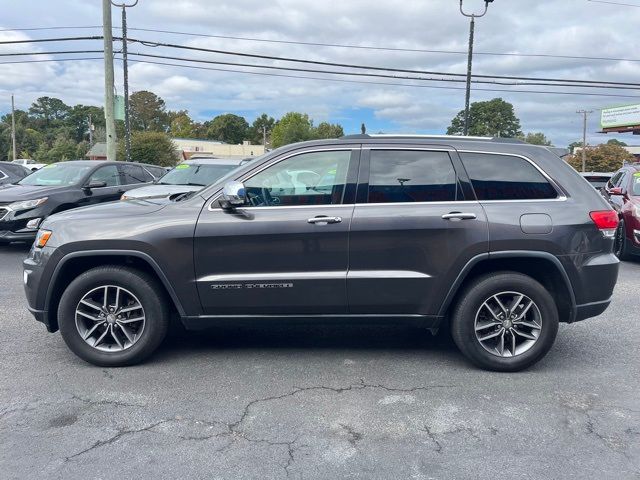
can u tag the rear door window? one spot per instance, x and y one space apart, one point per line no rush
506 177
399 176
135 174
108 174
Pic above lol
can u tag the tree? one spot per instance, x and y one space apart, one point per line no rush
48 110
603 158
494 118
63 149
574 145
147 112
259 125
291 128
537 138
328 130
78 120
228 128
181 125
615 141
155 148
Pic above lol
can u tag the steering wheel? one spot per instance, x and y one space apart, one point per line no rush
263 200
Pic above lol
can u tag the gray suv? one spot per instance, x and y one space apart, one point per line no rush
494 239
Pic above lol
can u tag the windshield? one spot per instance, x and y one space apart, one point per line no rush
57 174
635 184
198 175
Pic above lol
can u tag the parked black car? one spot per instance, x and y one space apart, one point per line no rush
495 239
12 172
63 186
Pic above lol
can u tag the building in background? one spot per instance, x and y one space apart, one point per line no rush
188 147
98 151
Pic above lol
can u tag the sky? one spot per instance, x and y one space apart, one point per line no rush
525 27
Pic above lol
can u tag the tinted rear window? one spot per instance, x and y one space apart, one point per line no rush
411 176
505 177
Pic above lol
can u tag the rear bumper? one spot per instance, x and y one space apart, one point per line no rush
589 310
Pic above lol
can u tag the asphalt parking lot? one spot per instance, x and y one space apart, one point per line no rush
319 402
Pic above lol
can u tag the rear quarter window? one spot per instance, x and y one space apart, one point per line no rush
506 177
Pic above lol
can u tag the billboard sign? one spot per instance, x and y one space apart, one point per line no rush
623 116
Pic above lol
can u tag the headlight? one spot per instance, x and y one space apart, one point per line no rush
42 238
27 204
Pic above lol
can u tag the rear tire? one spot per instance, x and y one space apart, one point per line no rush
621 246
113 316
506 334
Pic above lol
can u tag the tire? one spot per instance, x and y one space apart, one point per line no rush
472 312
127 340
621 246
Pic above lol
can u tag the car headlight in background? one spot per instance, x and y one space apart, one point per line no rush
42 238
124 197
27 204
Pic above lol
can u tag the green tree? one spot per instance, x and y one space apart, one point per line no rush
256 132
328 130
602 158
181 125
537 138
574 145
78 120
155 148
147 112
292 127
228 128
47 110
63 149
615 141
493 118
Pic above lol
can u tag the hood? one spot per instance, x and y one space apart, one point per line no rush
161 191
17 193
106 211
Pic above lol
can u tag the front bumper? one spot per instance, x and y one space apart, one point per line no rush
37 273
13 226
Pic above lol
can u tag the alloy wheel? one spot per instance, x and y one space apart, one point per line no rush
508 324
110 318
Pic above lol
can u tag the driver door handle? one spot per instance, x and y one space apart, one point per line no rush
324 220
459 216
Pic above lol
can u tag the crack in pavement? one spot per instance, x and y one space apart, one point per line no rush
354 437
117 403
432 437
114 438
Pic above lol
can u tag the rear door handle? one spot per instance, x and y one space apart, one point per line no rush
459 216
324 220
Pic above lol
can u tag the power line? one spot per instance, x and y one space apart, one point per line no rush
377 75
51 60
58 39
342 45
364 67
614 3
65 52
382 83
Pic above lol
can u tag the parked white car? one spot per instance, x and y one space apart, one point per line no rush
29 163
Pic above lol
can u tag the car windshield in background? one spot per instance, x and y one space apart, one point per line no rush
199 175
635 186
57 175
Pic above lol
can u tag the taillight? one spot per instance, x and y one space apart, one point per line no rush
606 221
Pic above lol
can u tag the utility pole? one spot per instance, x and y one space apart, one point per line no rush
108 81
13 127
264 137
584 114
125 66
472 28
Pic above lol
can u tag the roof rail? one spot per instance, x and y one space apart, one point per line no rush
434 137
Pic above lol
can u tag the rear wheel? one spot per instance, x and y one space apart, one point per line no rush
621 245
505 322
113 316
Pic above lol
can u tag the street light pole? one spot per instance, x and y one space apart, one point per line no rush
125 68
472 27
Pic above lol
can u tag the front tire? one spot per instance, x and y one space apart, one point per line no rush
621 245
113 316
505 322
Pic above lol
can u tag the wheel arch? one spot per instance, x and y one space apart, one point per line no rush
76 263
542 266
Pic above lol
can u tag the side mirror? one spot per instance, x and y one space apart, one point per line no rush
233 195
615 191
95 184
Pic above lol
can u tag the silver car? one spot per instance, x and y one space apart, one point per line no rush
189 176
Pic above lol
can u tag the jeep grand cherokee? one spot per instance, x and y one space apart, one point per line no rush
495 239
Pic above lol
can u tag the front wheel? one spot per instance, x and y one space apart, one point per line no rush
621 246
505 322
113 316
